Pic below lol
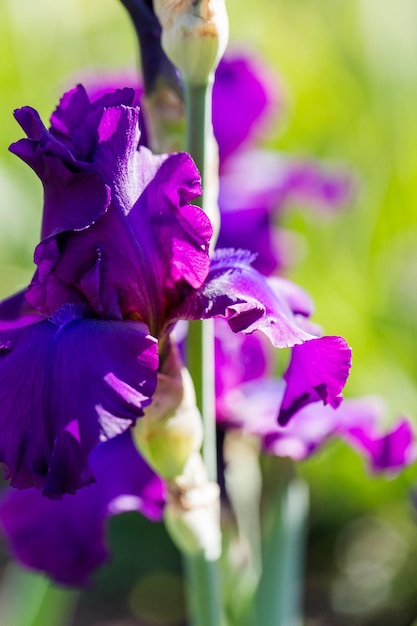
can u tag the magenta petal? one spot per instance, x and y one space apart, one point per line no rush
66 384
390 451
67 538
318 370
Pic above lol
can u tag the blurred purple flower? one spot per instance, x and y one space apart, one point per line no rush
67 539
256 185
249 400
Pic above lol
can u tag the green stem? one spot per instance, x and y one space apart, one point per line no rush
201 334
198 125
202 575
279 595
203 591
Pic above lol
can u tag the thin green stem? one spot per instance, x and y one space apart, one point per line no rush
202 575
204 595
198 125
201 334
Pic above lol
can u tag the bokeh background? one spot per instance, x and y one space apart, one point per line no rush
347 70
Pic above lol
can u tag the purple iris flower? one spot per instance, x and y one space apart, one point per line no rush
123 255
67 538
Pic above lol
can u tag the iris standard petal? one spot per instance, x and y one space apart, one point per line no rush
129 245
68 383
67 539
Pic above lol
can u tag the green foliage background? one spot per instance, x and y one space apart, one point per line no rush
348 72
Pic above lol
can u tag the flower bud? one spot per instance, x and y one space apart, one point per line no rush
194 35
171 429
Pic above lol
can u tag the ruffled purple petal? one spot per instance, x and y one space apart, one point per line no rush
66 183
68 383
235 290
134 262
67 539
243 96
318 370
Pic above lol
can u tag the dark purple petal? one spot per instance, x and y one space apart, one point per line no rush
235 290
118 231
97 87
318 370
71 115
136 261
68 383
65 189
243 96
67 539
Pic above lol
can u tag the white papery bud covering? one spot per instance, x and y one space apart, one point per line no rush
192 513
194 35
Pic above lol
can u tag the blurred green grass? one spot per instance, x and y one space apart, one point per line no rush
350 75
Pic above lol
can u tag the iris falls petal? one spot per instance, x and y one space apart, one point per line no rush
67 383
